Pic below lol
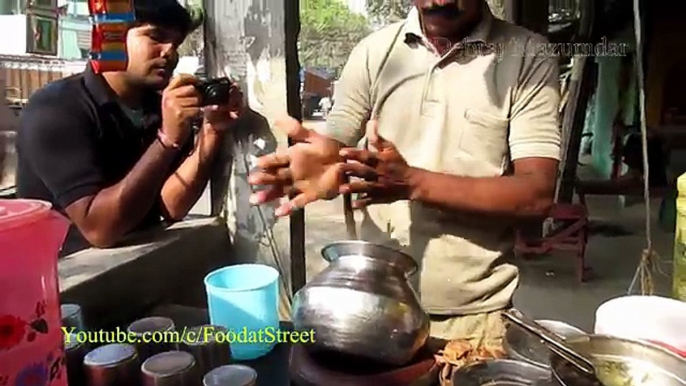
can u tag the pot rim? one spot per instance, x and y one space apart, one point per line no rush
401 260
600 337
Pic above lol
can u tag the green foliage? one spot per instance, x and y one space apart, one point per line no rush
329 31
388 11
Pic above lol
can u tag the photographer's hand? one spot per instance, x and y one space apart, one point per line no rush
180 106
219 119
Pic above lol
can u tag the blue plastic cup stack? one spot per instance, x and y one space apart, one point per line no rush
244 299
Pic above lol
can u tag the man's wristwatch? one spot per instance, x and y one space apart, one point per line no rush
166 141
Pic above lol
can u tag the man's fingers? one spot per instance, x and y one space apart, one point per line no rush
357 187
299 202
270 194
189 101
185 91
355 169
182 80
274 160
363 156
282 176
294 129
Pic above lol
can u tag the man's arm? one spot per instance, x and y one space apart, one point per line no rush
62 151
62 148
183 188
534 142
345 123
527 193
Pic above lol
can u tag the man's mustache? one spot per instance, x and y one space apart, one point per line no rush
448 11
444 8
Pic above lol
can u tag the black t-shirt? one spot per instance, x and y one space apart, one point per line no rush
75 139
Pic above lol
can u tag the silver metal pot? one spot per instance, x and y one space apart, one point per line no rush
362 305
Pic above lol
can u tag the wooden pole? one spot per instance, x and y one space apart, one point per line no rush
294 106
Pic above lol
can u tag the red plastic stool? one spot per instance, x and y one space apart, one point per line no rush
571 234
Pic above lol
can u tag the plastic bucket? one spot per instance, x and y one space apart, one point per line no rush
651 318
244 299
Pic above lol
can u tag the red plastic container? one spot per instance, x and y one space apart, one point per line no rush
31 341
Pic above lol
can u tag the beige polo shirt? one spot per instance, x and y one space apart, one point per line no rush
469 113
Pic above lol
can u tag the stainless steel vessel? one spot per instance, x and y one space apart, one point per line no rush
522 346
171 368
622 362
362 305
153 335
112 365
501 372
209 353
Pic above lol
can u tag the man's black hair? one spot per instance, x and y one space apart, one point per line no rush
164 13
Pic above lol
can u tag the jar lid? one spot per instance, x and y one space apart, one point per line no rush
15 212
151 324
111 355
231 375
168 364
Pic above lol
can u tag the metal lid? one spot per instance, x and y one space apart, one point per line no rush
111 355
154 323
15 213
71 342
231 375
168 364
205 334
68 310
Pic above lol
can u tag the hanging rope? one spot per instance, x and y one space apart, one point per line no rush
649 257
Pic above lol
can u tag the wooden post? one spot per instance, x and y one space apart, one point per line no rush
297 221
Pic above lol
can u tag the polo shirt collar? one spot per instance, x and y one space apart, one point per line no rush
480 34
102 93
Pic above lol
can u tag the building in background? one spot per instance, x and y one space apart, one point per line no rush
64 31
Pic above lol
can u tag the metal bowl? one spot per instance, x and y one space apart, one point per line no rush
501 372
522 346
639 363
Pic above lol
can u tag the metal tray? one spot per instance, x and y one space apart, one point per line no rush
502 372
522 346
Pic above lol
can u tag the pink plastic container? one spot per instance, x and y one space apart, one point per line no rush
31 342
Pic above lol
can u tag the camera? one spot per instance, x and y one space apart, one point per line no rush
214 91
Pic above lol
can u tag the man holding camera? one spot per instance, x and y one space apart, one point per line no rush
116 152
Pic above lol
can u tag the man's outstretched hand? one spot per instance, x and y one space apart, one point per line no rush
308 171
385 173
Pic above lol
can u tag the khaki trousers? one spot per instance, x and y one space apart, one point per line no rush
479 329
